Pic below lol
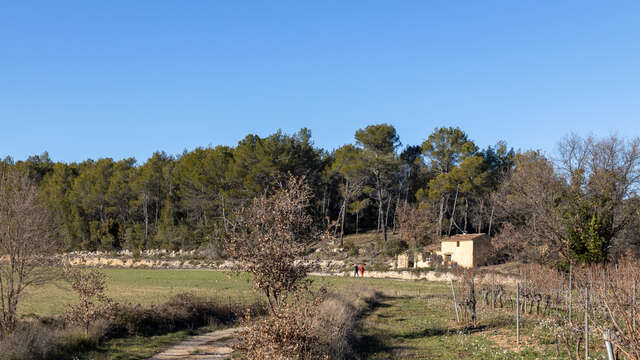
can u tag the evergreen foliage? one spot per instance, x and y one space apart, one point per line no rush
575 207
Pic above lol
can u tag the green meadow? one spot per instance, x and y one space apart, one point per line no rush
410 319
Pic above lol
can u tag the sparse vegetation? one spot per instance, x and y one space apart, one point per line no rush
309 326
53 338
269 236
90 285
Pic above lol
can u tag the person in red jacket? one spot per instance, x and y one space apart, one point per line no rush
362 270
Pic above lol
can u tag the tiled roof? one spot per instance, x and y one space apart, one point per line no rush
464 237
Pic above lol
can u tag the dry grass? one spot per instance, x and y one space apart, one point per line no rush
369 238
55 339
308 326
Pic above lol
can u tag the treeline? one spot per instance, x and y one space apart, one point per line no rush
444 186
183 201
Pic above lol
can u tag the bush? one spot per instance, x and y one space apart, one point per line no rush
394 247
337 318
184 311
28 341
310 326
379 267
53 338
352 249
37 340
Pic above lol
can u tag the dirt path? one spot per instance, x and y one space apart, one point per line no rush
213 345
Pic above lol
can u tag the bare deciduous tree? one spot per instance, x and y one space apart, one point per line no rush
268 236
578 206
28 240
527 200
416 224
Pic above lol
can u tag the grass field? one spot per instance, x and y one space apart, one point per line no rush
411 320
154 286
424 327
143 286
418 321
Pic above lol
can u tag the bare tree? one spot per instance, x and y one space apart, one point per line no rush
90 285
527 200
416 224
267 238
28 242
578 206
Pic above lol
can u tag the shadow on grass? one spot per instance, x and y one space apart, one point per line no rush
429 332
374 304
370 344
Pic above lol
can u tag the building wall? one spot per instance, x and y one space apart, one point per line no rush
420 261
403 261
461 255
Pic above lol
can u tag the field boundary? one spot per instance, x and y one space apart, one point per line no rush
425 275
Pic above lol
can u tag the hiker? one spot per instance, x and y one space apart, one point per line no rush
362 270
355 270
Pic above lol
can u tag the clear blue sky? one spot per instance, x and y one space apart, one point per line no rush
90 79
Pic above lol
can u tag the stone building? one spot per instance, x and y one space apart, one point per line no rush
466 250
421 261
403 261
416 260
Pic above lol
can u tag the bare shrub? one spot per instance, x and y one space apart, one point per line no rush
468 300
90 285
49 338
269 235
337 319
308 326
286 336
183 311
28 341
613 310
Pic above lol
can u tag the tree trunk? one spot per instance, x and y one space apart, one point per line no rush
453 211
386 217
395 213
324 202
491 219
146 218
157 210
344 211
466 212
335 229
224 215
357 216
379 216
204 216
384 232
479 225
326 209
440 216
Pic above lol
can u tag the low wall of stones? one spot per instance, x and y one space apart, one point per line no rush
426 275
180 260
